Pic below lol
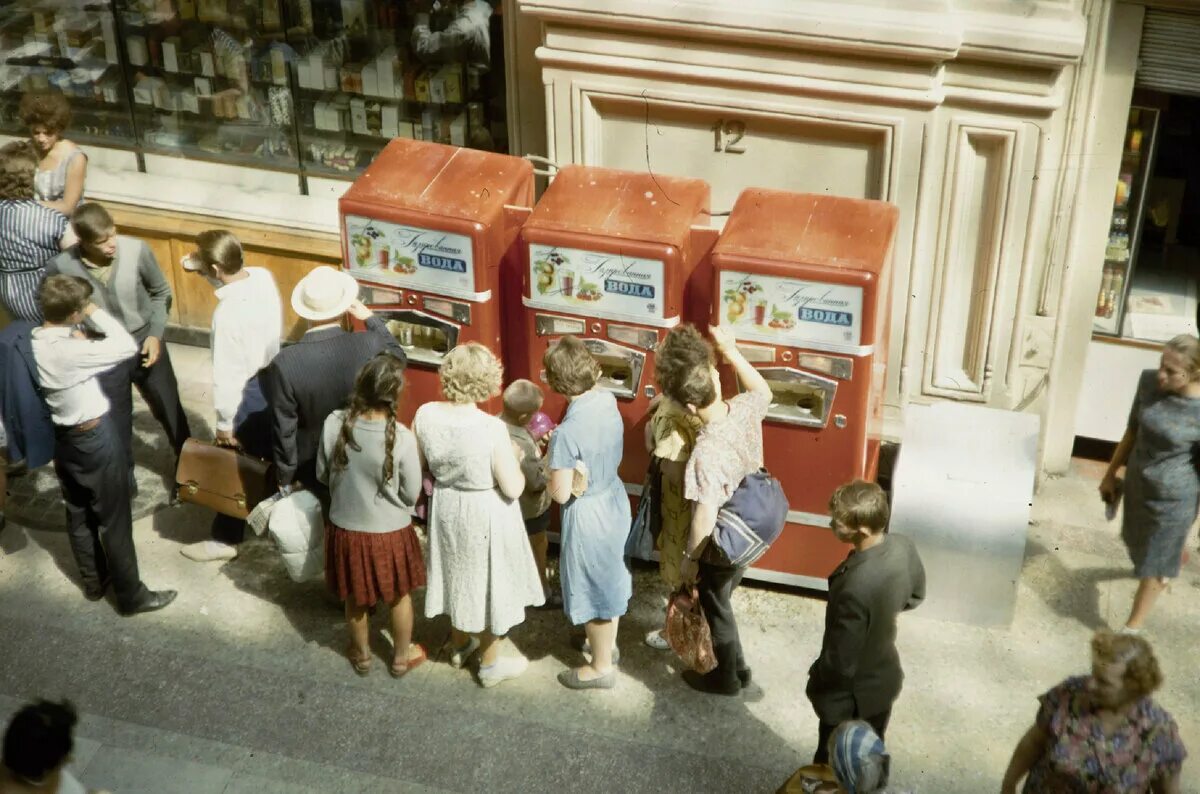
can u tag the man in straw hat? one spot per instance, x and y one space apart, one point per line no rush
309 380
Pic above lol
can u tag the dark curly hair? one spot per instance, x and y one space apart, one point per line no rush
377 388
18 165
38 740
48 109
681 367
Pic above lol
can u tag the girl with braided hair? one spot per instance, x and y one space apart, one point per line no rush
369 461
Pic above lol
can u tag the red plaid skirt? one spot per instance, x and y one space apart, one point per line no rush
370 567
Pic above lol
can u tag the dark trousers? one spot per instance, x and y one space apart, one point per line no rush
160 390
91 469
825 729
252 429
715 587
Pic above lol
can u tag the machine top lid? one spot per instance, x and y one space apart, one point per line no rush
624 204
836 231
447 181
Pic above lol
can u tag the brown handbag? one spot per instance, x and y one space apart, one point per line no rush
223 478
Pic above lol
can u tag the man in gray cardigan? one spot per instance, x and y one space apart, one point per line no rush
128 283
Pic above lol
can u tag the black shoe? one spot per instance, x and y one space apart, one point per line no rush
713 683
151 601
94 591
744 677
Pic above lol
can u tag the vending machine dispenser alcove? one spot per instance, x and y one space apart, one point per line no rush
426 229
608 258
803 283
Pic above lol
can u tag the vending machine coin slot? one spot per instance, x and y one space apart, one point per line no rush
620 367
645 338
799 398
551 325
840 368
458 312
425 338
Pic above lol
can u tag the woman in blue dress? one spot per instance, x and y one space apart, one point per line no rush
585 452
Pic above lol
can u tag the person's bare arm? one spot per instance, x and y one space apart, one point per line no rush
560 485
1028 751
1108 485
507 471
750 378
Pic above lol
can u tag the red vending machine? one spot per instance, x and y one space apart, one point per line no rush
426 230
608 257
802 281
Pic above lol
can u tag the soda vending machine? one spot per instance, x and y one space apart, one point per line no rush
609 257
426 230
802 282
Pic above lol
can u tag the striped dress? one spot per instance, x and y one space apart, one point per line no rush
29 235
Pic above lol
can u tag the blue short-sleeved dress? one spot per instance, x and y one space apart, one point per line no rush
596 582
1162 486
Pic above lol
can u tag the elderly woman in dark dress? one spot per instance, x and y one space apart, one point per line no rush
1162 486
30 233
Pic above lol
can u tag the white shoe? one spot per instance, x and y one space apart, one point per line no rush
209 551
459 656
658 641
506 667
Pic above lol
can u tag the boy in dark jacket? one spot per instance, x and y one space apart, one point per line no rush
858 674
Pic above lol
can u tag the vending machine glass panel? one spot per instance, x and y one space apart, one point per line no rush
799 398
620 367
411 257
426 339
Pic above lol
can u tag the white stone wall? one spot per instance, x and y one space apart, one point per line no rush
971 115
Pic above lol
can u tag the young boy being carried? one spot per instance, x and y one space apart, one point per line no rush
858 674
522 399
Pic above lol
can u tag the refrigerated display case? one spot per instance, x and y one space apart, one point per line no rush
71 46
1125 223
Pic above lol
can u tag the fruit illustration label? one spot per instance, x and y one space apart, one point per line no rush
411 257
791 311
596 284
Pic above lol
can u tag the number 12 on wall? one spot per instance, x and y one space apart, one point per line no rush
727 133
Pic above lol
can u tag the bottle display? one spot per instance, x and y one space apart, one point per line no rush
1125 222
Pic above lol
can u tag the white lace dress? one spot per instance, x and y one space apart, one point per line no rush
480 567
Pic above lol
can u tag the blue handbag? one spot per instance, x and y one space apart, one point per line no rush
751 520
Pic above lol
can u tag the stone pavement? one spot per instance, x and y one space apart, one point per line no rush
241 685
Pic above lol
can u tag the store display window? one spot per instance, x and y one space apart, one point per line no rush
312 86
1152 263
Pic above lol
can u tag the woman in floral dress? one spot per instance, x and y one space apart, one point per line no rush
1102 734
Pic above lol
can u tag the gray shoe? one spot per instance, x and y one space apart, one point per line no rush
571 680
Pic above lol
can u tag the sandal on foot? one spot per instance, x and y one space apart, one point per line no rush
361 664
399 669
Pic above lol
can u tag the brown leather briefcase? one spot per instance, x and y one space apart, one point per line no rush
222 478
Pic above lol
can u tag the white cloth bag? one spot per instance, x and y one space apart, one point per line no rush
298 528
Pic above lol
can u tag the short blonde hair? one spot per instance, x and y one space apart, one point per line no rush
1188 348
470 373
522 397
1142 674
570 368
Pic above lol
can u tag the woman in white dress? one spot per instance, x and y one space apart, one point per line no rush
480 566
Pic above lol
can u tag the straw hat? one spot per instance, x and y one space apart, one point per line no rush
323 294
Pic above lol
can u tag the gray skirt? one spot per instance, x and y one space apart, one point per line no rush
1155 531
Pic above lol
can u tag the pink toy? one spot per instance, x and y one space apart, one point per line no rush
540 426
